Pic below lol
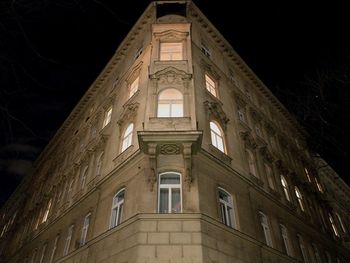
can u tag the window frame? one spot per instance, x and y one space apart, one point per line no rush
170 103
68 241
229 217
286 240
127 137
214 134
134 86
300 198
265 224
252 163
54 248
117 209
170 187
171 54
334 227
285 187
85 229
108 116
212 88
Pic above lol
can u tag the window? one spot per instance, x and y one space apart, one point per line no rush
307 174
269 175
251 163
117 208
134 87
68 240
303 249
108 116
341 222
70 191
171 51
138 52
205 50
334 227
169 194
226 208
316 253
319 186
85 229
47 211
285 238
285 187
217 136
99 164
83 178
266 228
43 251
210 85
127 138
299 198
170 103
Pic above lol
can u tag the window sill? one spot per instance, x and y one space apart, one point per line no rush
220 155
169 123
257 181
123 155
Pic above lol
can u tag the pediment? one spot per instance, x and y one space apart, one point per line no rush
171 75
171 35
215 109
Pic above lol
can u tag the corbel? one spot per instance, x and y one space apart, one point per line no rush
187 153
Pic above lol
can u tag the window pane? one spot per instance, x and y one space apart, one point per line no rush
120 214
223 213
163 110
176 110
170 179
220 144
175 201
215 128
223 196
163 201
171 51
170 94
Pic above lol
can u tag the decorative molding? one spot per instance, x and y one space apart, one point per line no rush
215 109
248 139
256 116
281 167
266 154
241 102
210 69
187 154
129 111
152 174
169 149
171 35
171 75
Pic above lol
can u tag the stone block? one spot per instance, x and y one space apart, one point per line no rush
169 226
147 226
158 238
168 252
180 238
192 251
191 226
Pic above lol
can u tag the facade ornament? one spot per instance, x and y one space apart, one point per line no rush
281 167
171 75
266 154
248 139
256 116
210 69
129 111
187 153
169 149
241 102
215 109
152 175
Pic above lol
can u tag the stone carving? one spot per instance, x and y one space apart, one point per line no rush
152 174
129 110
171 75
266 154
241 102
215 109
187 153
281 167
169 149
248 139
255 115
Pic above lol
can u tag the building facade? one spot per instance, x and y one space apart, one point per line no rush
177 153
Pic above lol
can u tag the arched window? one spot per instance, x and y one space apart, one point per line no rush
127 138
251 163
83 177
226 208
300 199
264 221
269 175
99 164
285 187
169 194
334 227
319 186
217 136
47 211
170 103
286 242
117 208
85 229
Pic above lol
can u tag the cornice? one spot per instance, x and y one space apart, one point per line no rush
228 51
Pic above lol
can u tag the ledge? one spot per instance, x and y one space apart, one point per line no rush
219 154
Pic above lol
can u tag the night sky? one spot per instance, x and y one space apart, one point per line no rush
52 50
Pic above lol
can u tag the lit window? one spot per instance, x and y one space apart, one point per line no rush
217 136
47 211
117 208
286 241
85 229
127 138
316 253
171 51
251 163
83 177
108 116
303 249
43 251
134 87
210 85
170 103
68 240
300 199
269 175
99 164
285 187
341 222
334 227
226 208
307 174
169 193
264 221
319 186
